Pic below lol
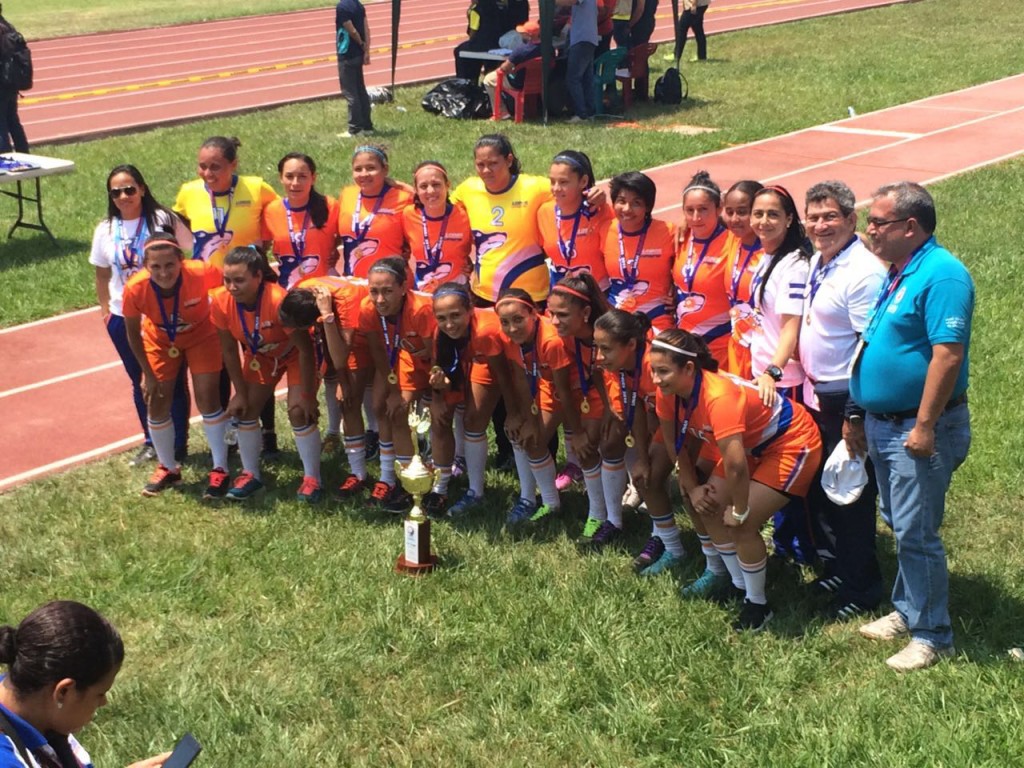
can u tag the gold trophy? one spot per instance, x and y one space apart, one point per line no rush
417 479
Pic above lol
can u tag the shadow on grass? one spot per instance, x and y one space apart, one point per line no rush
27 248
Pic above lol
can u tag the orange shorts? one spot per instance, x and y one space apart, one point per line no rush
359 352
413 379
202 352
272 369
789 470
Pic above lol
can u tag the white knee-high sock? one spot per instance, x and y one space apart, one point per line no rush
713 560
754 577
613 478
665 528
162 435
527 482
355 449
215 425
307 442
333 406
570 454
727 552
250 442
387 463
368 414
444 476
593 482
459 431
476 460
544 472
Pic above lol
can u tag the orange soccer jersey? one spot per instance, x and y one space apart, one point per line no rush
409 359
782 441
440 249
702 305
485 340
639 267
739 274
302 249
645 388
258 328
584 371
348 294
370 227
574 242
545 356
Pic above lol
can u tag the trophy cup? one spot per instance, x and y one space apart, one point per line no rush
417 479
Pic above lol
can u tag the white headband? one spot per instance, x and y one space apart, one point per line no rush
665 345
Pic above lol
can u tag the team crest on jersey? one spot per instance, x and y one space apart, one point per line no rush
693 302
428 280
355 251
205 244
293 269
486 242
626 298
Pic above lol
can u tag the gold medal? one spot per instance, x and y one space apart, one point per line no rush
585 406
392 378
630 441
254 364
534 409
173 352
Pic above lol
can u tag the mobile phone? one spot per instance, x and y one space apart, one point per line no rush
185 751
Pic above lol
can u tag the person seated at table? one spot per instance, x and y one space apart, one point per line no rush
530 49
487 23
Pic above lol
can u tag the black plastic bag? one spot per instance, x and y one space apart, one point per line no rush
458 98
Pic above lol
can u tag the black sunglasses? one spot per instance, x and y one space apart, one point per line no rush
116 192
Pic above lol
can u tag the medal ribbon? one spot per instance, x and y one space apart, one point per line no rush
129 249
629 398
737 270
362 228
253 341
433 253
392 346
584 380
568 249
170 325
629 275
532 374
690 268
221 223
298 240
691 405
818 275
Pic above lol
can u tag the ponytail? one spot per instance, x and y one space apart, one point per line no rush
254 260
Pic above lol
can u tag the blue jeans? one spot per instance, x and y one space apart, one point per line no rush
579 79
912 501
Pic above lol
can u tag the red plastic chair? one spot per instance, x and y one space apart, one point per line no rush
532 83
636 64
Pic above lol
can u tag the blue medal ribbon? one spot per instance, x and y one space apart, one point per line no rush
298 240
221 223
691 406
631 270
629 397
584 380
737 270
392 344
433 253
169 324
361 227
568 249
253 340
690 268
129 249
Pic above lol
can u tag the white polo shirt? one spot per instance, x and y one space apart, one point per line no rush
840 297
783 295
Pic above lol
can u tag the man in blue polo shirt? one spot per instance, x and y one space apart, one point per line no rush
910 376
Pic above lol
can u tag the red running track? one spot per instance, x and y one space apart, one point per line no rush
924 141
106 83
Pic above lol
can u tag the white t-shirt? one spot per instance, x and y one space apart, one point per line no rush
838 311
783 295
114 241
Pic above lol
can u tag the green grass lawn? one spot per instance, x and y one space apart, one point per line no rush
760 83
279 635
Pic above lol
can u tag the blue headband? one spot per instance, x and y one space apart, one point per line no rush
362 148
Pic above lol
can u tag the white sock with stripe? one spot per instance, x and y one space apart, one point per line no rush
727 552
387 463
333 406
613 480
713 560
215 426
544 473
369 417
593 482
665 528
444 476
570 454
250 443
755 575
307 442
476 460
459 431
355 449
527 482
162 435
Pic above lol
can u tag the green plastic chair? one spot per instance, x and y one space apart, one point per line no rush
605 66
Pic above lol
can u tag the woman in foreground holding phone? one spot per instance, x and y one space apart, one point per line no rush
61 662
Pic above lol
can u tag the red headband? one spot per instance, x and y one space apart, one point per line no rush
529 304
572 292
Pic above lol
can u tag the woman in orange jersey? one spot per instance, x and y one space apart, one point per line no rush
303 225
574 305
468 365
572 232
437 232
744 259
167 318
630 434
702 306
399 325
639 251
371 211
535 349
766 456
246 311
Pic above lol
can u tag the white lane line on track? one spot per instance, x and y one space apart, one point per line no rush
46 320
867 132
59 379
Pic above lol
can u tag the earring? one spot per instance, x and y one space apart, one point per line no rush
60 705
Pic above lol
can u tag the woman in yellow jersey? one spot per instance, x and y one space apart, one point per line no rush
744 259
224 212
702 306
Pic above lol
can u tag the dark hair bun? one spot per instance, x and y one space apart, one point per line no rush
7 645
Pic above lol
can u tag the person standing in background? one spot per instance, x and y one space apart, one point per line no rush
352 33
12 133
579 75
692 18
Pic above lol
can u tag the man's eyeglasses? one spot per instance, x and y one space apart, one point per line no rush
879 223
116 192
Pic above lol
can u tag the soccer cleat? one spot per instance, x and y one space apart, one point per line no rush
218 484
653 549
246 486
544 512
753 617
351 487
570 474
889 627
589 529
841 609
161 479
728 594
707 585
381 491
434 504
372 445
398 501
828 584
309 491
469 502
605 536
331 443
662 564
918 655
521 511
146 454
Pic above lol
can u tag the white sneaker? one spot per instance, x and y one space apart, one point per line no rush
918 655
888 627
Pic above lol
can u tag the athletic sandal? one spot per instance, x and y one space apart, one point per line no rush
753 617
521 511
218 484
653 549
352 486
309 491
706 585
570 474
459 466
246 486
662 564
161 479
469 502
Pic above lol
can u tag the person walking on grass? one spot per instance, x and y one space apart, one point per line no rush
579 75
352 34
910 375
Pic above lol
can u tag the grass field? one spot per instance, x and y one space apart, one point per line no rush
759 84
279 635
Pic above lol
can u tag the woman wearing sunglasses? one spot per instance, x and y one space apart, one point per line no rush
133 215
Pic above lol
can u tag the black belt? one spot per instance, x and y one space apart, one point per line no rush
904 415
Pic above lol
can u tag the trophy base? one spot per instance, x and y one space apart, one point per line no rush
414 569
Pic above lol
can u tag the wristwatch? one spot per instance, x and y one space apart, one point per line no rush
740 518
855 418
774 371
